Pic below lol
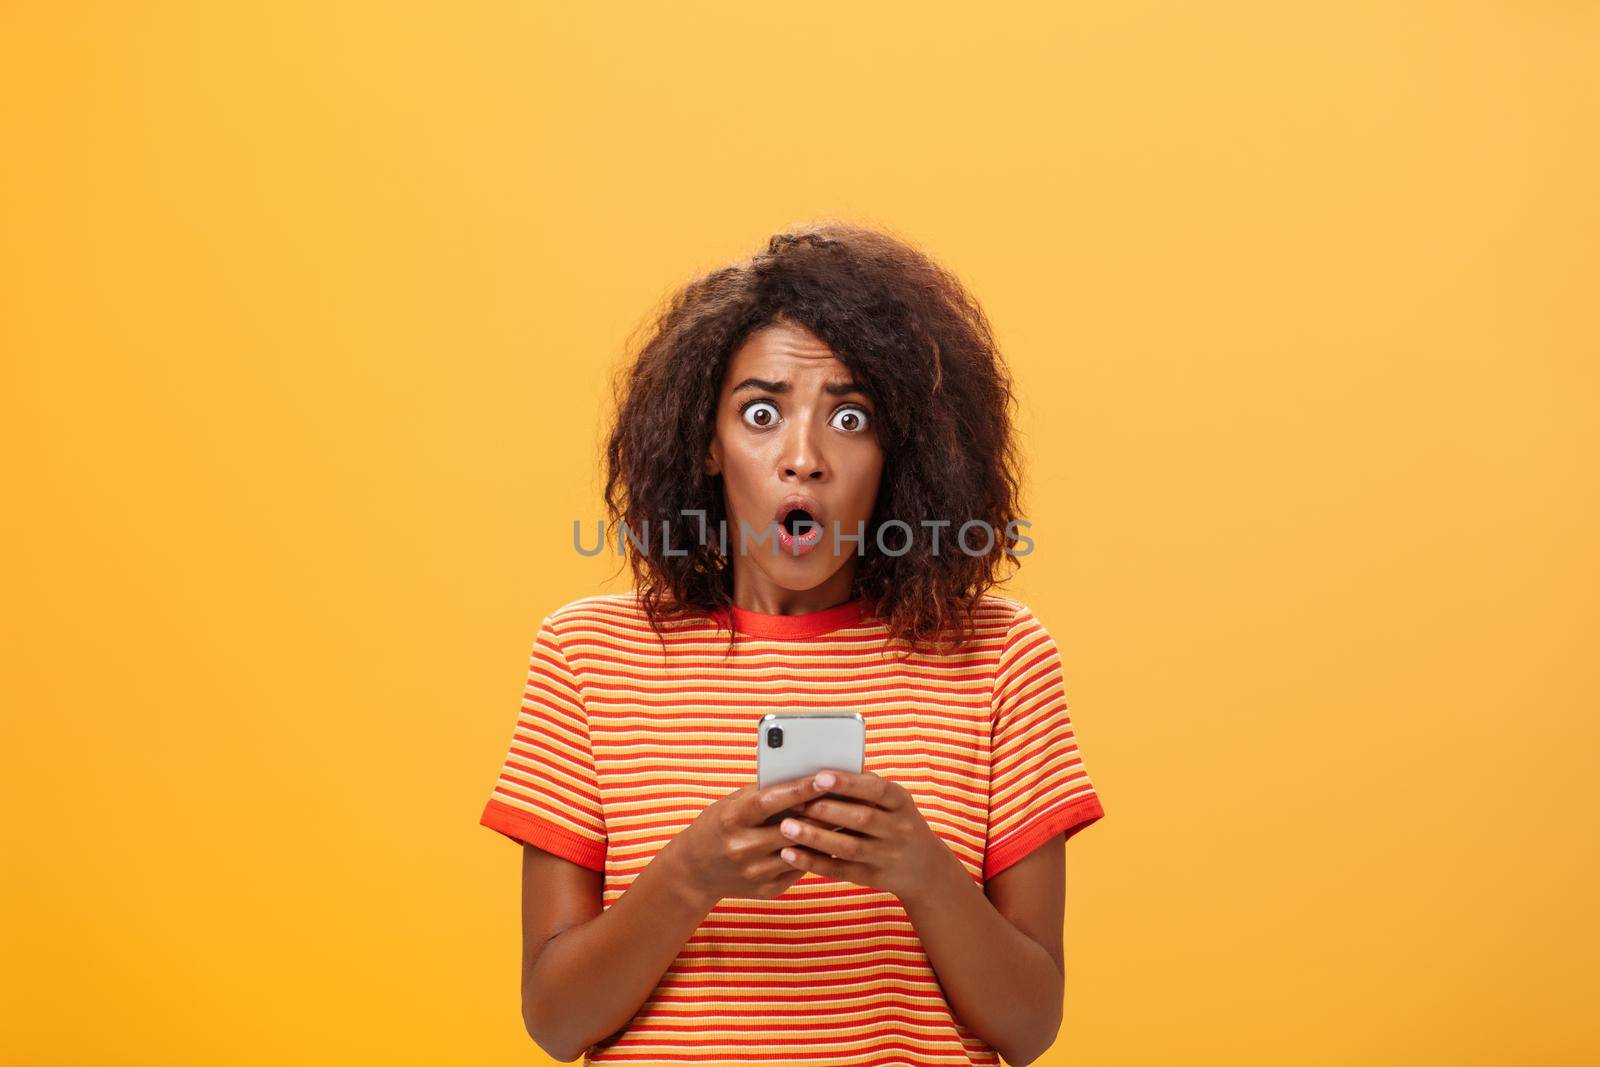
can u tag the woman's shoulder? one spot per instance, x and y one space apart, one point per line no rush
598 609
984 625
1009 620
621 613
994 608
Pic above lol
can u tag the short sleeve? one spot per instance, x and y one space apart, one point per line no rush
1038 787
548 793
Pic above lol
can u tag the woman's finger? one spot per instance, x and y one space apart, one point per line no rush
830 842
846 815
827 866
864 786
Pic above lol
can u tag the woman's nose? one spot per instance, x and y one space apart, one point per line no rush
802 458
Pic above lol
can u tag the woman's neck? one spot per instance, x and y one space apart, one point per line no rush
756 592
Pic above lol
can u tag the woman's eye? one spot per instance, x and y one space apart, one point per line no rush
754 415
853 420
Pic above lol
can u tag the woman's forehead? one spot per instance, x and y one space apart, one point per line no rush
782 366
784 341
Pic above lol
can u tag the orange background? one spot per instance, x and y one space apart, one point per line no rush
308 319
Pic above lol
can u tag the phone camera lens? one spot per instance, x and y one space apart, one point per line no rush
774 737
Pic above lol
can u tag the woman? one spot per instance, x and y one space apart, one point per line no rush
842 393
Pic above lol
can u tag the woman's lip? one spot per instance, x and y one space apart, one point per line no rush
802 544
797 500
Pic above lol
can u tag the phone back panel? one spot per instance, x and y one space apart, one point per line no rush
812 742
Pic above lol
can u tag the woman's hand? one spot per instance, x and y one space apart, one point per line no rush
728 851
885 844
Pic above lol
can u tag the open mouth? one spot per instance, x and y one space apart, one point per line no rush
799 525
797 519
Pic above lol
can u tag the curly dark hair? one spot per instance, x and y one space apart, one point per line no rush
921 346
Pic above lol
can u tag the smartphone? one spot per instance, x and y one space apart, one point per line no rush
798 744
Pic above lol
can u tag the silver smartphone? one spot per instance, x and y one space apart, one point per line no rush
798 744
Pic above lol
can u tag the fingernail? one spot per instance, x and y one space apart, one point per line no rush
788 854
791 827
825 780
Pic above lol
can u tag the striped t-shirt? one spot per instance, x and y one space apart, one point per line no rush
618 747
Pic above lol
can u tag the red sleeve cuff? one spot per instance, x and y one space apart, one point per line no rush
1077 814
529 829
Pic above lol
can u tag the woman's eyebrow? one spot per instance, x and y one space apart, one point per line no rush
831 388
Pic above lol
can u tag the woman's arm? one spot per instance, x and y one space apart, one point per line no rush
999 956
586 970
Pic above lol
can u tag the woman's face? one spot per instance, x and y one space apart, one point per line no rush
791 423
